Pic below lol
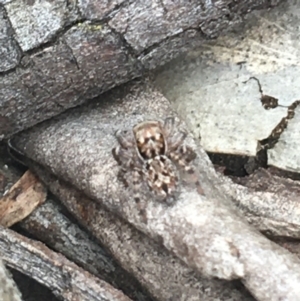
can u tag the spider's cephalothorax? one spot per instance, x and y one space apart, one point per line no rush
153 157
150 139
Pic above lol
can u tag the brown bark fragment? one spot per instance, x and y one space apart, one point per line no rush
21 199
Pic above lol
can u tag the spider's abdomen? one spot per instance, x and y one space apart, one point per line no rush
162 177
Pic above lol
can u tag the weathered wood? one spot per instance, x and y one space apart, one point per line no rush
64 278
203 231
57 54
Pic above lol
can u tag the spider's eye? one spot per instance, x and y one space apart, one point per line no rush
141 140
158 136
162 159
165 188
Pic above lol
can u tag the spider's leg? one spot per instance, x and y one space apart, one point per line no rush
125 139
169 124
182 157
126 153
176 140
123 156
137 189
187 153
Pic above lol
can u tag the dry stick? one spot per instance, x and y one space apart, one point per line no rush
8 289
66 280
48 224
163 274
203 231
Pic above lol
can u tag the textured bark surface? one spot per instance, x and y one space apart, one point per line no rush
56 54
203 231
66 280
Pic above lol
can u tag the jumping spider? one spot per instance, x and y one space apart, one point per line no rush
154 159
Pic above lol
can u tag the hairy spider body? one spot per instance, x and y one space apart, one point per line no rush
154 159
162 176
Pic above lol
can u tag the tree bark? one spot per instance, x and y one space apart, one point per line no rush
204 231
54 55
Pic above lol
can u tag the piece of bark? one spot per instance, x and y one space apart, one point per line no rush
64 278
162 273
57 54
202 230
8 289
23 197
48 224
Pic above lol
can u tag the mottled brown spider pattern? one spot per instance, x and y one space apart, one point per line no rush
154 159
